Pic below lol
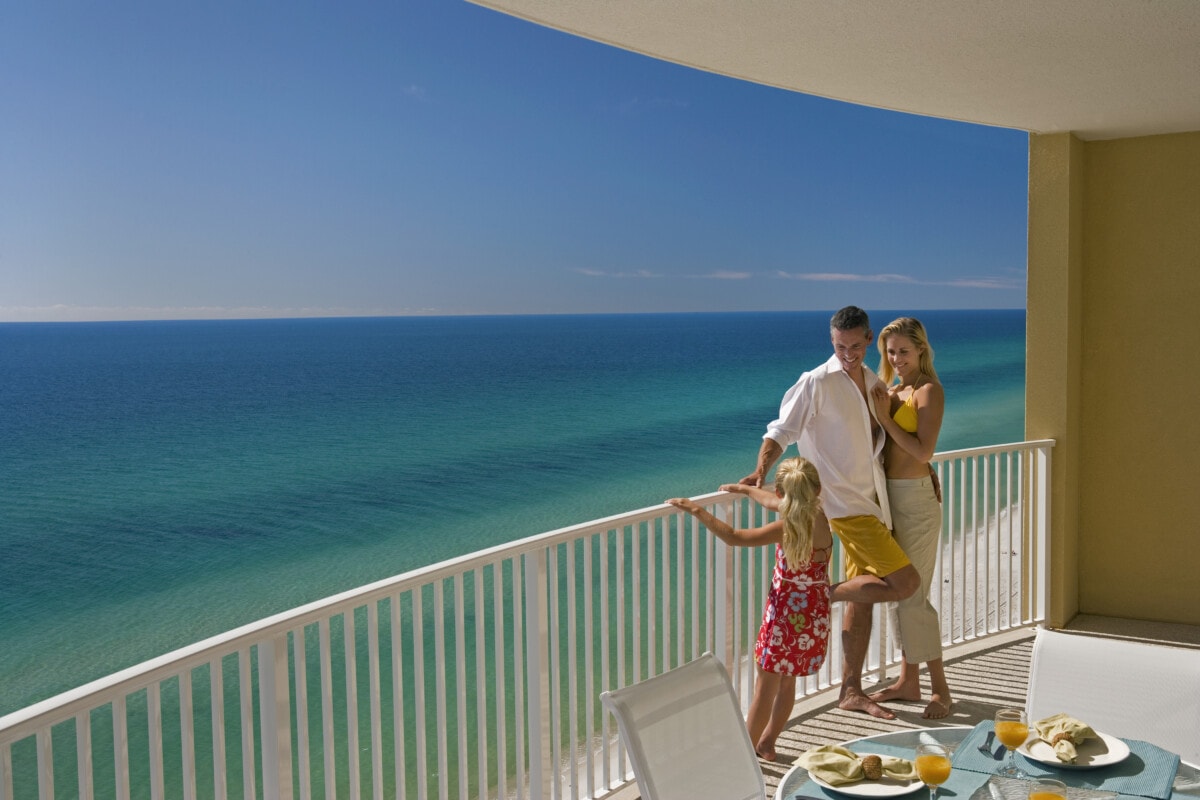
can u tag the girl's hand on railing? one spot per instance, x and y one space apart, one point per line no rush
766 498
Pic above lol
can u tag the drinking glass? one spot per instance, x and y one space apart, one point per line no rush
1012 729
1047 789
933 766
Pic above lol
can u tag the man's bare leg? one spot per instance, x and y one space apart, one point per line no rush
869 589
856 634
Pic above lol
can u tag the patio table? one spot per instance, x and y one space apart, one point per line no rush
973 777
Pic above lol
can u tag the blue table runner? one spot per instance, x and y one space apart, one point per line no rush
1149 771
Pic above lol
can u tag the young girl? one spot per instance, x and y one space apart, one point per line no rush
795 627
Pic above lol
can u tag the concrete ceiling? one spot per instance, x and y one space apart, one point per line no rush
1100 68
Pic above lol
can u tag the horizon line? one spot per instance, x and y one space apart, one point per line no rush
472 314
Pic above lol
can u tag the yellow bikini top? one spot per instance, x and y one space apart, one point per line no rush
906 415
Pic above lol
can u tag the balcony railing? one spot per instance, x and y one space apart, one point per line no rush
479 676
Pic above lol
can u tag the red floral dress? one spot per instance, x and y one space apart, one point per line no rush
795 626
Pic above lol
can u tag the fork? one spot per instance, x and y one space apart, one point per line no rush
986 746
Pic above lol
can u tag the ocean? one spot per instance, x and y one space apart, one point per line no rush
165 481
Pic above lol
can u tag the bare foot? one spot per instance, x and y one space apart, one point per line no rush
765 753
938 707
857 701
896 692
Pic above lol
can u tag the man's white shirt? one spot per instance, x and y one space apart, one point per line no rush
828 420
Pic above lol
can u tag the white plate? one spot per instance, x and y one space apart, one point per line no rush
884 787
1100 752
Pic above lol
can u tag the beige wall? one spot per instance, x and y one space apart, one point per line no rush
1113 299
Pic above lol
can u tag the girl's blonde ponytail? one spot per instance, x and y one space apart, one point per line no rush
800 486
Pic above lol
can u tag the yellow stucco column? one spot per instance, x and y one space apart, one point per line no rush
1053 345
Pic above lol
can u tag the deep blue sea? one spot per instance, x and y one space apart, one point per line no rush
161 482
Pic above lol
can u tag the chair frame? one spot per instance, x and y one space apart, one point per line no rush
657 709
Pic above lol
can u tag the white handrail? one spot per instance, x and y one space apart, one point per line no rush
482 672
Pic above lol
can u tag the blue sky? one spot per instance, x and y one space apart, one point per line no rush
213 160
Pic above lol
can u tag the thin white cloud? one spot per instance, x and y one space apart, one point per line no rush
716 275
1014 280
1002 283
1017 282
596 273
414 91
984 283
847 277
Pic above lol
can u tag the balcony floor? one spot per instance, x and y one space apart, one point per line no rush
983 677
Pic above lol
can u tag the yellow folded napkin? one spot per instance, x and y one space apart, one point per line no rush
838 766
1063 733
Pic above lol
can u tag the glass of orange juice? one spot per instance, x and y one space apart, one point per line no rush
1012 729
933 766
1047 789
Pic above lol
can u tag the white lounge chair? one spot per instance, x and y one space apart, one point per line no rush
685 735
1137 690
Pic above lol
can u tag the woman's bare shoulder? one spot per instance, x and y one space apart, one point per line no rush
930 391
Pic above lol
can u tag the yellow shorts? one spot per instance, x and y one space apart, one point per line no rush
869 545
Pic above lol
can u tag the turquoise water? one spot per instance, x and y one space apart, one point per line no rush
163 482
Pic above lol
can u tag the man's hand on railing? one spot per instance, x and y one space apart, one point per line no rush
753 479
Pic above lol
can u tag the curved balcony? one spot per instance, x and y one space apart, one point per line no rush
479 676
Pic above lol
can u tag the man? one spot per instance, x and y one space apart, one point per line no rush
828 414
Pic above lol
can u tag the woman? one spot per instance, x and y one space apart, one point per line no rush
910 410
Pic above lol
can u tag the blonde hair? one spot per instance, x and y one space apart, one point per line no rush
800 487
912 329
